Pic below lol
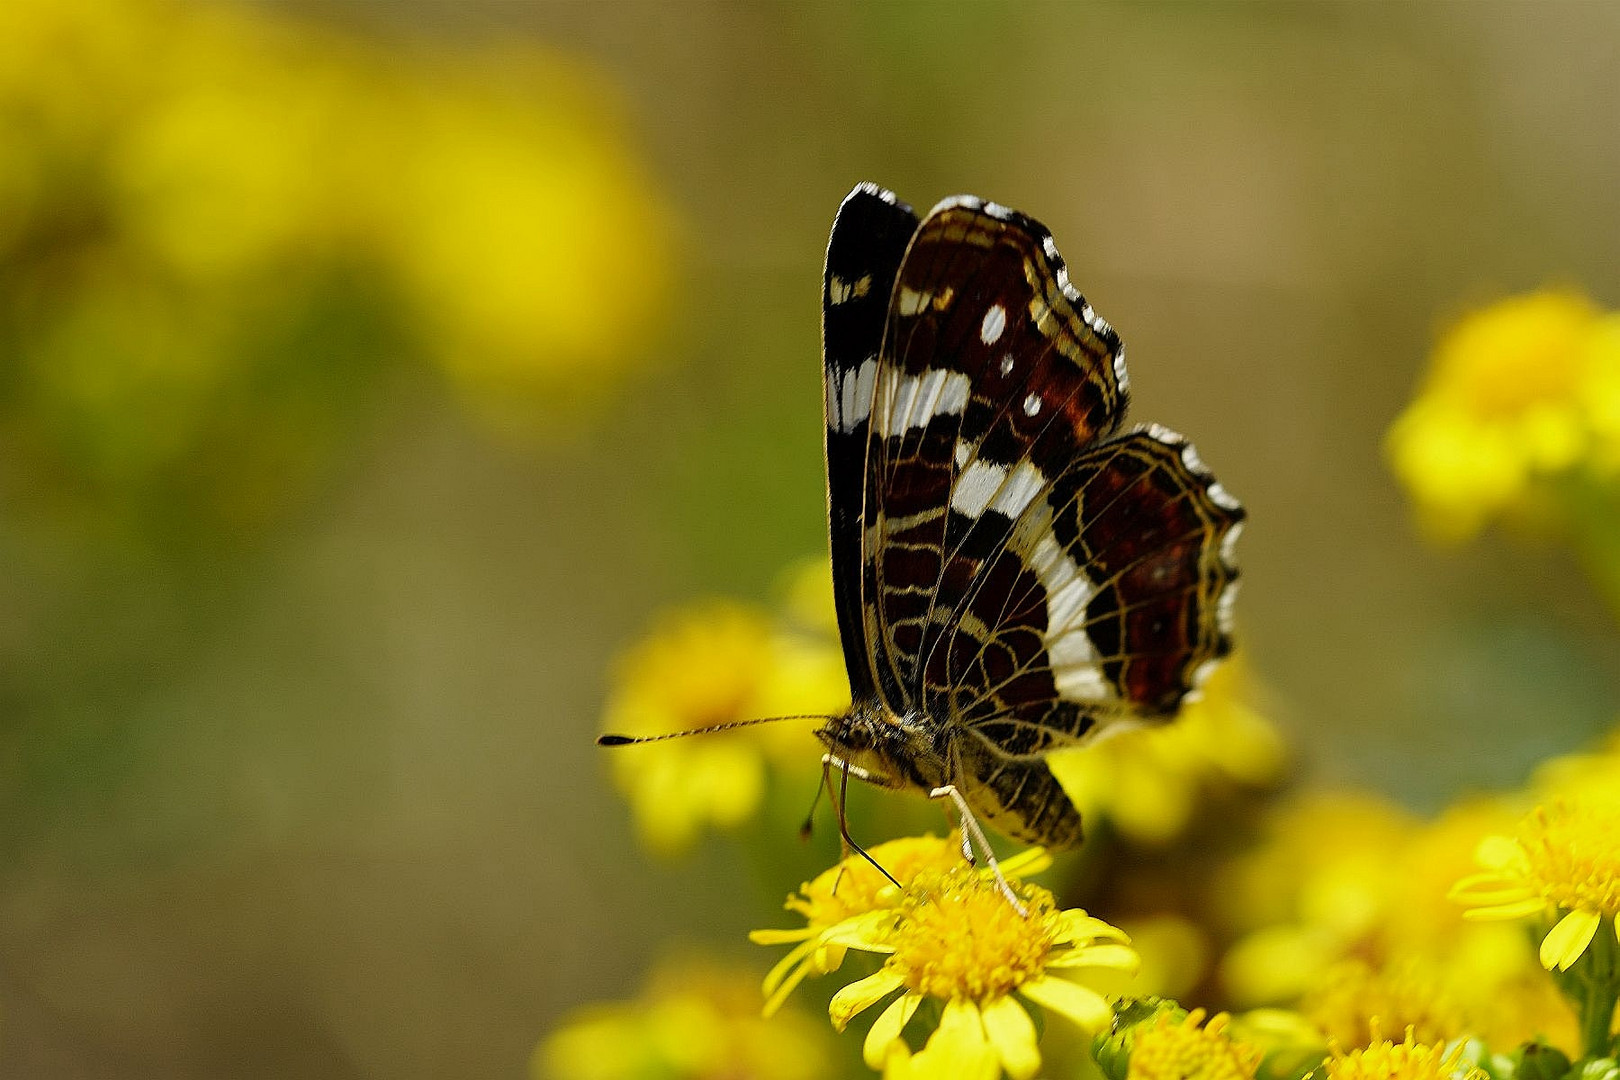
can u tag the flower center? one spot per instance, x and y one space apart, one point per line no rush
1573 847
855 886
1165 1050
959 938
1406 1060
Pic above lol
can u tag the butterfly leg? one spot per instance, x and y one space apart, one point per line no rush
828 763
973 834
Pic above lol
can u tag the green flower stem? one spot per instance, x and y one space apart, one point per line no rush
1597 1013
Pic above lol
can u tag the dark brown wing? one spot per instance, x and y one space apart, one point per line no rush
869 238
994 374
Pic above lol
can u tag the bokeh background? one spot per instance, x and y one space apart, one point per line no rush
371 373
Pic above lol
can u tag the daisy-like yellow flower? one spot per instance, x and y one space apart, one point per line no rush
1404 1060
1167 1048
1149 782
854 887
708 664
954 939
1565 858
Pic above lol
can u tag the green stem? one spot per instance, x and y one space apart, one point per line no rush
1597 1014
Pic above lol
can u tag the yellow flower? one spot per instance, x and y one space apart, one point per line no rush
854 887
1502 406
1565 858
709 664
1149 781
1405 1060
1167 1049
1318 886
220 225
1600 394
954 939
693 1021
1353 998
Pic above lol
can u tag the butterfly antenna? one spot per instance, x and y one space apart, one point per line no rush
729 725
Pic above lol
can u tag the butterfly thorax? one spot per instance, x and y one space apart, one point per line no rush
887 749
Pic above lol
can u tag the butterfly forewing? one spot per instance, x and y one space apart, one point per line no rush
869 238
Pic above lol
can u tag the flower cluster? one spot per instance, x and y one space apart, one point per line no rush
220 224
1518 395
694 1020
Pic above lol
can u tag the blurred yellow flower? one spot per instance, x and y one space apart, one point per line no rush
692 1021
1166 1048
1405 1060
222 227
1353 998
707 664
956 940
1149 781
1344 910
1565 859
856 887
1520 391
1317 886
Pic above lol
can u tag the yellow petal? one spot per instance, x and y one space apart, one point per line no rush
866 931
886 1029
780 937
1076 925
774 977
1565 942
1489 887
1518 909
776 995
1119 957
1026 863
861 995
958 1050
1085 1007
1500 853
1012 1033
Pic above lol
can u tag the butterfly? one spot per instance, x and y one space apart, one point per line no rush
1013 571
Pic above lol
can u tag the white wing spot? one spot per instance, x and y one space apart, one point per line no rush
995 321
849 402
1223 498
910 301
1229 544
1190 458
1007 364
840 291
940 392
964 450
1032 405
1076 670
975 488
1018 490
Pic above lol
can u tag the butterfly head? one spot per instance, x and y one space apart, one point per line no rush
885 748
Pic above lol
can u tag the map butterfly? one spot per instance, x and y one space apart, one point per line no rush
1013 572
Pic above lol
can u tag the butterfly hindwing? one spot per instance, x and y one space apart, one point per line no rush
1109 604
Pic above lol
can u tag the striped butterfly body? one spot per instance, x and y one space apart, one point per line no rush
1013 572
